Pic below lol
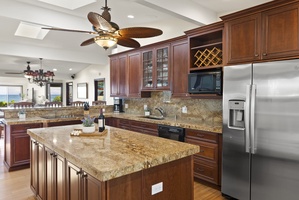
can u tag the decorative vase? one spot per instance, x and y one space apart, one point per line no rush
88 129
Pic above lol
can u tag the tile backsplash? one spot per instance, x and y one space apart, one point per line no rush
200 109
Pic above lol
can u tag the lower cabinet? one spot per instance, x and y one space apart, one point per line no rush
141 127
54 175
17 145
82 186
63 123
207 163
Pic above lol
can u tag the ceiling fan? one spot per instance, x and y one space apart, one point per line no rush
108 33
20 72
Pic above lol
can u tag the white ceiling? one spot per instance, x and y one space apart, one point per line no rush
62 50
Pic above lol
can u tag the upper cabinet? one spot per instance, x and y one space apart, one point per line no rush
134 82
118 76
205 47
264 32
180 68
155 67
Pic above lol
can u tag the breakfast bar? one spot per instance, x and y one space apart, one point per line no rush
115 164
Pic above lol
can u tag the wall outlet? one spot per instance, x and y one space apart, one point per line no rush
184 109
157 188
145 107
126 105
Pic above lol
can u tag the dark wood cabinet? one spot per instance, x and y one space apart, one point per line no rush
263 33
134 75
54 176
111 121
140 127
37 169
156 68
207 163
82 186
118 76
63 123
17 146
242 39
180 69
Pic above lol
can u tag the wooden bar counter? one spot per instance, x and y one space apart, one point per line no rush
118 164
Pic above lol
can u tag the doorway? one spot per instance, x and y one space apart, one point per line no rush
69 93
99 89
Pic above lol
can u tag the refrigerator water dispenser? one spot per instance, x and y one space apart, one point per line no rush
236 114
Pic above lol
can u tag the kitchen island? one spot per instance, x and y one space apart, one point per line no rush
119 164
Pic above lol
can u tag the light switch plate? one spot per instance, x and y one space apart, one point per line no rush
126 105
157 188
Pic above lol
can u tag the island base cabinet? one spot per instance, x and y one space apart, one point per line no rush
54 176
64 180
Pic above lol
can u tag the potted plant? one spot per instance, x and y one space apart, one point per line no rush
88 124
22 114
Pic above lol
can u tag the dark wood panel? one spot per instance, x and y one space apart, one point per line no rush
281 33
60 185
176 176
206 171
127 187
202 135
207 151
180 68
93 188
49 174
73 180
134 82
243 39
122 84
64 123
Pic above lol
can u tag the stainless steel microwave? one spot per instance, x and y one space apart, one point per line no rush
205 82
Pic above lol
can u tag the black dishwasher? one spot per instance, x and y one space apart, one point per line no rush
171 132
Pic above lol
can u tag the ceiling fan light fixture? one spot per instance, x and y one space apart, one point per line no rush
105 41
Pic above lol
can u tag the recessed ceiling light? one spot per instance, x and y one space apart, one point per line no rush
131 16
70 69
54 69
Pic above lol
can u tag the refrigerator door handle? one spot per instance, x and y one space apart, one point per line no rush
252 120
247 118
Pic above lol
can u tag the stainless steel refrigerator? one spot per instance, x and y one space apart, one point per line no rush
261 131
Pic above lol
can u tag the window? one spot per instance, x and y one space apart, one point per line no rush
54 92
10 94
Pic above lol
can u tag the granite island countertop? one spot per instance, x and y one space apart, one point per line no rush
117 153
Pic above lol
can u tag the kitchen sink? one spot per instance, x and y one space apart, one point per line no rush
153 117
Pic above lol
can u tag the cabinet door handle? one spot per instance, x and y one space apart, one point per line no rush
264 54
54 155
84 176
78 172
256 55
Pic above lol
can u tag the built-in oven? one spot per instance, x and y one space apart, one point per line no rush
171 132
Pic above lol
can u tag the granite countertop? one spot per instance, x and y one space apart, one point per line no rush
210 126
117 153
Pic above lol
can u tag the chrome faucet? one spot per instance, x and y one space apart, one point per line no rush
161 111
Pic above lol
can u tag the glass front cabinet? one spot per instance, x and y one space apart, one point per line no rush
156 69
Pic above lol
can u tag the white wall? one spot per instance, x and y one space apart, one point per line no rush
88 75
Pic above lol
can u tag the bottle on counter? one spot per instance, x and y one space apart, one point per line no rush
86 108
101 121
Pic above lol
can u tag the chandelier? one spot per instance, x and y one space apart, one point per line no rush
106 41
39 77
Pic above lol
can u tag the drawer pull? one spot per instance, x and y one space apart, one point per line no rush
84 176
78 172
200 135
